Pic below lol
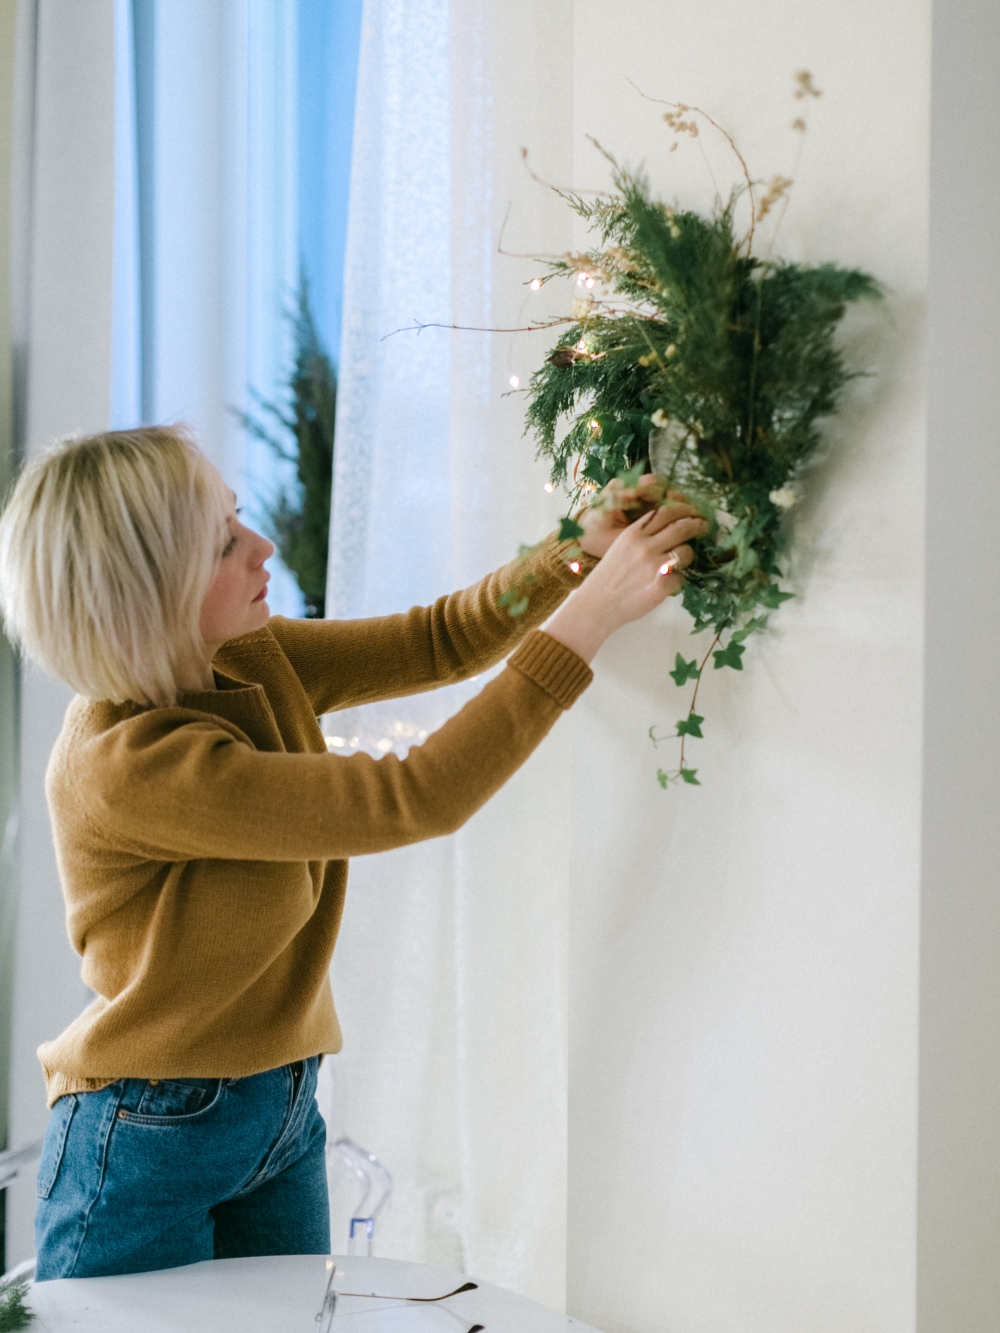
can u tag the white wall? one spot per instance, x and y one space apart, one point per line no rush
744 955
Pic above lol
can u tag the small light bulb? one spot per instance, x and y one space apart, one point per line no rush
575 566
667 567
581 346
581 277
536 284
589 282
595 425
549 488
515 383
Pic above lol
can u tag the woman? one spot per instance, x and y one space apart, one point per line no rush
202 830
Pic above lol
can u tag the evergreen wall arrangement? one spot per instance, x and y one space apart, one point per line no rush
689 355
300 430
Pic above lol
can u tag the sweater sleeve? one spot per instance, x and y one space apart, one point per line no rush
342 663
166 787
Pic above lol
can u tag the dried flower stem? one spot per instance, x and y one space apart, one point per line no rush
681 106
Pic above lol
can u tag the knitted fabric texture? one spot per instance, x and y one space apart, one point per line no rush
203 848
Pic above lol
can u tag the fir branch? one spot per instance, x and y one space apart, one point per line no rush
15 1314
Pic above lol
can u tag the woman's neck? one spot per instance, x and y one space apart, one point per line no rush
196 677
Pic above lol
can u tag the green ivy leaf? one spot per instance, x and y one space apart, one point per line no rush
688 774
690 726
631 477
772 596
684 671
729 656
751 627
662 778
568 529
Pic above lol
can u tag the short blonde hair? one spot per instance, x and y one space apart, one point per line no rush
108 545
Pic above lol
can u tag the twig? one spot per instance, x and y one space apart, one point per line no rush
418 327
557 189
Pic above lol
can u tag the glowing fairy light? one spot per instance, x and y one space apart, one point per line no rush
588 282
595 426
515 383
575 566
548 488
536 284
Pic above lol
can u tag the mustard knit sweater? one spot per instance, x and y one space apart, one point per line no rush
203 848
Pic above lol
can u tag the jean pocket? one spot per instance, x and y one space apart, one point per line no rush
171 1101
54 1146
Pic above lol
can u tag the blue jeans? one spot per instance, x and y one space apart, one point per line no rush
162 1172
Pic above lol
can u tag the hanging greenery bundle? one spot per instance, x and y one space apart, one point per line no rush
689 356
298 522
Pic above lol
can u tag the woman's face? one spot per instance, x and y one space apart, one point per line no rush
236 603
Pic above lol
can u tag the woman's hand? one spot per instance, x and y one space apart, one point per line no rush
611 512
630 580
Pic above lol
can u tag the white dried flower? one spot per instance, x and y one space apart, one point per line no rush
582 305
659 418
783 498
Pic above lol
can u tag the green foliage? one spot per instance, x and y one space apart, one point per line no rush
730 656
684 671
709 365
569 529
14 1313
299 522
690 726
689 775
517 598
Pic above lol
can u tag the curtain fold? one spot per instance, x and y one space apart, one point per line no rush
450 974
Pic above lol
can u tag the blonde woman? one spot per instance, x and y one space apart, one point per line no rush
202 829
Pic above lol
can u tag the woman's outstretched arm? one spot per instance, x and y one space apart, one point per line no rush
346 662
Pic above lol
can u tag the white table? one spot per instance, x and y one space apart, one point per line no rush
283 1294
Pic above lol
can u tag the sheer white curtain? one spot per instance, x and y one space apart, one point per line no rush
450 974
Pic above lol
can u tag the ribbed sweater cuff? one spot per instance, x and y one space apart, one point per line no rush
550 664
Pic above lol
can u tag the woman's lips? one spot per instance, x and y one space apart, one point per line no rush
262 594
